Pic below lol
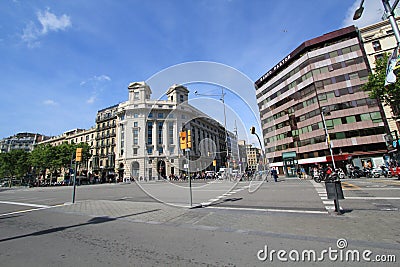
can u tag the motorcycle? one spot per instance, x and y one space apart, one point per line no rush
367 172
340 173
386 172
355 172
377 172
326 176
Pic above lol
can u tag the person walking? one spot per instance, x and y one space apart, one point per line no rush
274 174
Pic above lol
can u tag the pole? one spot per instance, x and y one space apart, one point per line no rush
262 152
226 133
73 193
391 18
328 139
190 178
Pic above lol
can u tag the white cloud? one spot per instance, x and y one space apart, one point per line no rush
91 100
373 11
48 22
96 84
50 102
102 78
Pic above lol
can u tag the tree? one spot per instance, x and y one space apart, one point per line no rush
40 158
14 164
388 95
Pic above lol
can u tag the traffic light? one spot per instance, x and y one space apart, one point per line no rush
182 138
189 139
78 154
214 162
253 130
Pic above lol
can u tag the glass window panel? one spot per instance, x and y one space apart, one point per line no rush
340 135
376 116
365 117
351 119
337 122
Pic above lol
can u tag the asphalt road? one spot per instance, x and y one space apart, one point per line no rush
232 224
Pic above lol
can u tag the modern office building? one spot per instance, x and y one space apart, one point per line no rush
148 130
379 39
24 141
327 73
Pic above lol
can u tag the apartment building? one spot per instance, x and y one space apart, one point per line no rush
23 141
104 147
76 136
379 39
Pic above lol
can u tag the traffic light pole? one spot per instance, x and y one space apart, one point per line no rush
190 177
78 157
73 192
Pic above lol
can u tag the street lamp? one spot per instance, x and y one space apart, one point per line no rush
222 98
389 12
359 11
327 137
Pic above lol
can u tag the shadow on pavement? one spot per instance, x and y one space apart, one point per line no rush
95 220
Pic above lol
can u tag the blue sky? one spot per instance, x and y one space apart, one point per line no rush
61 61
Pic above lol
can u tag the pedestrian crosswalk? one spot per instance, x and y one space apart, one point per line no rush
320 188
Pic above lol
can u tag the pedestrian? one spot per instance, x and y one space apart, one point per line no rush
274 174
299 172
303 172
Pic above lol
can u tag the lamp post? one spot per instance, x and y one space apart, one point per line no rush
327 137
389 12
222 98
253 131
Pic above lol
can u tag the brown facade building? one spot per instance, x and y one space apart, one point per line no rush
327 73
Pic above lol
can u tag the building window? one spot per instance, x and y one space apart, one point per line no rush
150 115
149 133
150 150
378 56
135 151
136 95
160 115
171 133
135 115
181 98
160 127
376 117
160 150
135 136
376 45
135 124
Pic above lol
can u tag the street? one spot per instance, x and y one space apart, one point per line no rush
150 224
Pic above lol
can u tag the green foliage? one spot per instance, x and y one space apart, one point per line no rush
18 163
14 163
390 94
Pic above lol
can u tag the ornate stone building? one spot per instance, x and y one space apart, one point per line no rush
148 135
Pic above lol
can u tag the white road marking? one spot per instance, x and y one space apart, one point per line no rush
269 210
37 207
369 198
21 211
24 204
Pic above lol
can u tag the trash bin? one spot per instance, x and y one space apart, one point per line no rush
334 190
